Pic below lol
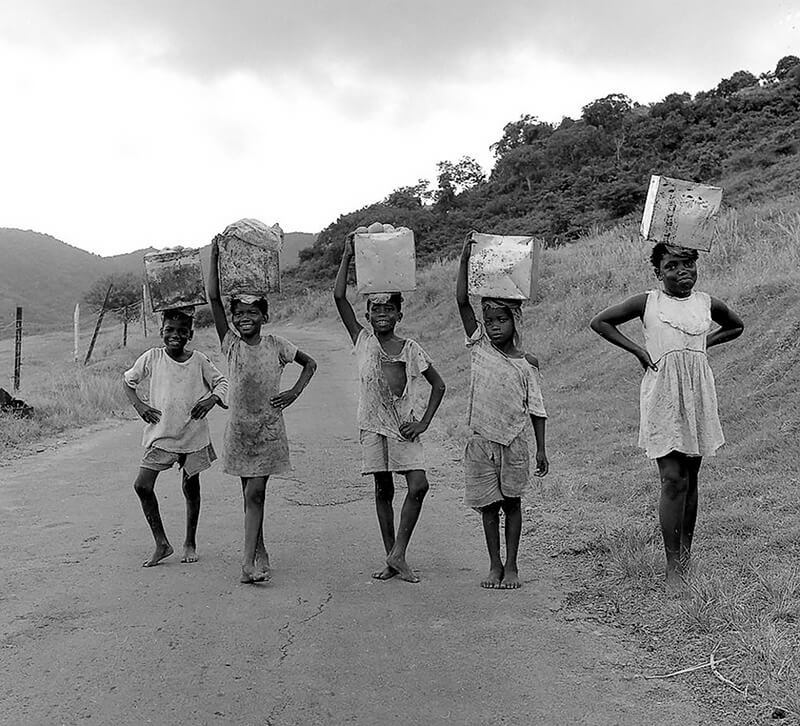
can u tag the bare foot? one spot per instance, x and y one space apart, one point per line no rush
493 579
262 564
251 575
189 554
511 580
161 551
675 581
400 566
387 573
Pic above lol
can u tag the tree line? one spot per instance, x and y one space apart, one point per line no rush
559 181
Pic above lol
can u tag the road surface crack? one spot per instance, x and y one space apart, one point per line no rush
291 635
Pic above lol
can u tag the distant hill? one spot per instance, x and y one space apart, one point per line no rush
47 276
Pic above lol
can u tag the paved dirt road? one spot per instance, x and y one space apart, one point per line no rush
88 636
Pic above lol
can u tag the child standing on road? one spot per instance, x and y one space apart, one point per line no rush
255 438
389 370
504 394
679 423
184 386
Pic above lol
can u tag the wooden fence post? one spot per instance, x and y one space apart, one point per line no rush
144 310
97 326
76 331
18 349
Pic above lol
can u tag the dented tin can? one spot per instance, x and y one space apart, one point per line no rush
385 261
504 266
680 213
174 278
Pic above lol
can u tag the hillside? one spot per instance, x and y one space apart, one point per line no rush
47 276
562 181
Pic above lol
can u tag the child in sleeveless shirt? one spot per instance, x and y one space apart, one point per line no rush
679 422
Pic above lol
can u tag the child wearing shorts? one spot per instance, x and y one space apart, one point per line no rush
504 394
390 369
184 386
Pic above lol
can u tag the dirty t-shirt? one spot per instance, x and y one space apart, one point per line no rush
255 437
379 409
175 388
504 392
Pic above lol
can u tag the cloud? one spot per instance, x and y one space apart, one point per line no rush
415 41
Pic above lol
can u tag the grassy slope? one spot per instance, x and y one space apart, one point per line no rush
596 510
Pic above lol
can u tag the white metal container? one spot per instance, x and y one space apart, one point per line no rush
385 261
504 266
174 278
249 258
680 213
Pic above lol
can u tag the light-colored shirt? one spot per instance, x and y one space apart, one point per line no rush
379 409
174 389
504 392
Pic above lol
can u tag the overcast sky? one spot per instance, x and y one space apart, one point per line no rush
157 122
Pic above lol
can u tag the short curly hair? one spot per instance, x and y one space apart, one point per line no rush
661 249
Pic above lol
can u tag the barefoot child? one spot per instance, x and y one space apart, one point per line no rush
184 386
255 437
679 423
504 393
390 369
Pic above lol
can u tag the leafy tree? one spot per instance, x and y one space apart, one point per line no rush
609 114
738 81
786 64
410 196
526 130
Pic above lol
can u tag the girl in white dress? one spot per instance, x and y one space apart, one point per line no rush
679 423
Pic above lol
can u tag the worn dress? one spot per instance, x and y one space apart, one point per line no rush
255 437
678 402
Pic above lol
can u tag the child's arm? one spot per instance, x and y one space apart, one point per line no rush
214 298
148 413
542 464
217 384
411 429
605 324
131 378
340 292
462 294
730 324
287 398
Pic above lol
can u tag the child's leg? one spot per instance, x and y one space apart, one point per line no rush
412 506
253 489
384 495
690 509
191 492
144 486
674 473
513 510
491 529
262 557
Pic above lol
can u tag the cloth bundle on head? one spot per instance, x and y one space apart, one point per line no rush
379 298
514 307
255 232
247 299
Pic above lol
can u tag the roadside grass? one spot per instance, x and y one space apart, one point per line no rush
595 513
